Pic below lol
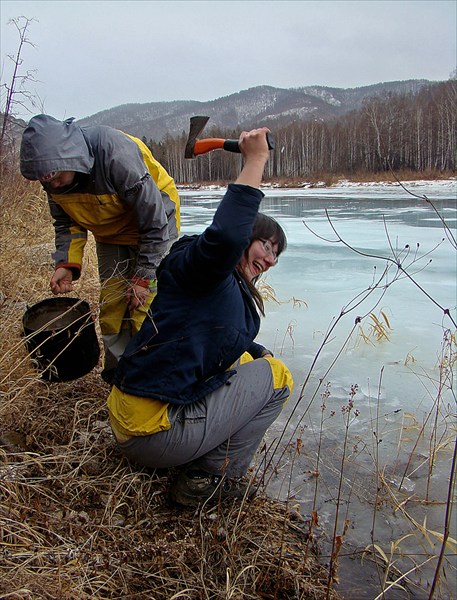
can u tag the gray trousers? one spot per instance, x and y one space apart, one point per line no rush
221 433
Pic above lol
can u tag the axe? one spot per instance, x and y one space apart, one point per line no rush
194 147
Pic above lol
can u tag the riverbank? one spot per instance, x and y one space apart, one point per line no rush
445 181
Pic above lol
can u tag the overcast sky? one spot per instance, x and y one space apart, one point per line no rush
93 55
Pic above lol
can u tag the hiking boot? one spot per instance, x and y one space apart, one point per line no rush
193 487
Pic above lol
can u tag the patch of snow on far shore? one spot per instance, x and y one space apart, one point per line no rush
452 182
342 183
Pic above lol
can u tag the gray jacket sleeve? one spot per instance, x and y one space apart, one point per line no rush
70 240
128 175
146 201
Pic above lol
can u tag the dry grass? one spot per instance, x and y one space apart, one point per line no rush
76 520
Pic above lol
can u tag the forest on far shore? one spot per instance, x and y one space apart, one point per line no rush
414 133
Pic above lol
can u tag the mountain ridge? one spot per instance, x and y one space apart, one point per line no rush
253 107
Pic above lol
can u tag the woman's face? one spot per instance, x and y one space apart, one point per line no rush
259 257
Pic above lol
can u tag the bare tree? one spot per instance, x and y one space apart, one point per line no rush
16 93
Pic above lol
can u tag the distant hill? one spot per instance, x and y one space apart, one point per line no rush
257 106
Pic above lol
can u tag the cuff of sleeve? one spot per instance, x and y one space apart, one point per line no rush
144 282
244 188
265 351
74 268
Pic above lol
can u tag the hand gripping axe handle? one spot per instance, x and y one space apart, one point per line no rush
194 147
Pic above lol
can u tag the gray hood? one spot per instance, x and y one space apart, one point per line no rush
51 145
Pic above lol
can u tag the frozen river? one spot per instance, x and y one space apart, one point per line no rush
340 267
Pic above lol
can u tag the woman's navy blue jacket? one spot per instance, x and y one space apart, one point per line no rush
203 317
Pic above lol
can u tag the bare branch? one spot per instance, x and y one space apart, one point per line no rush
16 94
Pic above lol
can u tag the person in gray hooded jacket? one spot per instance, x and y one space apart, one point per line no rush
102 180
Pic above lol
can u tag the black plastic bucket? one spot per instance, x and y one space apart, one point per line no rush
60 337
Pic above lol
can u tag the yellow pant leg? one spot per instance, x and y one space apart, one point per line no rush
117 323
138 315
113 305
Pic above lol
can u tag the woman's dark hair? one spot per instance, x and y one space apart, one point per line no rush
265 228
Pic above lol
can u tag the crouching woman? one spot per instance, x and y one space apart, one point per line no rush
193 389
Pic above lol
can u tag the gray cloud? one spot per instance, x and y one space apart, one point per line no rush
94 55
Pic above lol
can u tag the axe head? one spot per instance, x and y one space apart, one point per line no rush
197 125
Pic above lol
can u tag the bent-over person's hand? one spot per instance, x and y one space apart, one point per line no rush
136 296
62 281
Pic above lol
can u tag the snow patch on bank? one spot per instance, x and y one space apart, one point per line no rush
450 184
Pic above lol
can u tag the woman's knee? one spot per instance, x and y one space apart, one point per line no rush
282 377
